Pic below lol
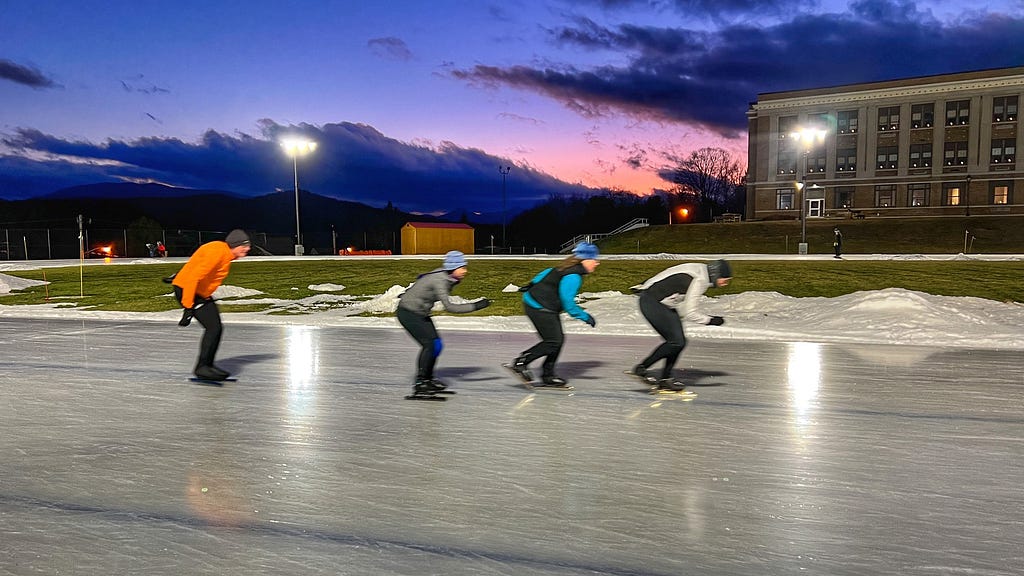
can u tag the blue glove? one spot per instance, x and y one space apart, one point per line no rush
592 321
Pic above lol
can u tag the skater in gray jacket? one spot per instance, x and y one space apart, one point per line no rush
413 313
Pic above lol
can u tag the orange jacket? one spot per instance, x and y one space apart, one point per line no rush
204 272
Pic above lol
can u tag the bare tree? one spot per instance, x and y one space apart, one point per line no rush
710 173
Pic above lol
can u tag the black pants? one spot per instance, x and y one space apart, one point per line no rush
208 315
422 330
549 327
666 322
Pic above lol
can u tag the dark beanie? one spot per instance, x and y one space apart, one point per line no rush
719 269
237 238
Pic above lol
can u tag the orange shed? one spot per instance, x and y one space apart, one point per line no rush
437 238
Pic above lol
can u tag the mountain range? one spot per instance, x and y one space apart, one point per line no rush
125 205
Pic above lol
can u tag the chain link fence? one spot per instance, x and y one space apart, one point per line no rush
63 243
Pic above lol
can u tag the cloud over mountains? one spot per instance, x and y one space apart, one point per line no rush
352 162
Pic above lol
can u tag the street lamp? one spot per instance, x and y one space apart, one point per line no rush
296 147
504 210
808 136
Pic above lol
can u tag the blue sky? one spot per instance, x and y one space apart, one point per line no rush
419 102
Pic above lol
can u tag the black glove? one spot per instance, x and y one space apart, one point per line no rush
186 316
481 304
716 321
592 321
170 278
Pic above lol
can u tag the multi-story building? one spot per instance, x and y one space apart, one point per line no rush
935 145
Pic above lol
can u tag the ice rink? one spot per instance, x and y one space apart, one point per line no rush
795 458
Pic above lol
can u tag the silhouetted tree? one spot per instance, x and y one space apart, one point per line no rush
713 176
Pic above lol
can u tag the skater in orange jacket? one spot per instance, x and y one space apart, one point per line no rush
194 286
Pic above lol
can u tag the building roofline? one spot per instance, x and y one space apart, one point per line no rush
988 73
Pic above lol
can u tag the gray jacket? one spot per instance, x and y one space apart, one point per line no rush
434 286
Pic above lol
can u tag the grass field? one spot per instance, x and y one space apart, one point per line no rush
984 235
138 288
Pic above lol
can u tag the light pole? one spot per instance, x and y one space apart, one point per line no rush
504 203
295 147
808 136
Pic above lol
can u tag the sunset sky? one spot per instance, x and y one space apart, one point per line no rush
419 102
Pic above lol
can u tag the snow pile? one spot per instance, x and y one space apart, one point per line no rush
10 283
326 287
886 318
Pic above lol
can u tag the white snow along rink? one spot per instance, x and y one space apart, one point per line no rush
893 316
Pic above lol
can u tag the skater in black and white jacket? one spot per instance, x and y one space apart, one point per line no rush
413 313
666 300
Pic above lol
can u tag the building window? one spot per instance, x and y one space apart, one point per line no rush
846 122
920 155
917 194
787 125
1004 150
884 195
887 156
889 119
784 199
955 154
951 195
846 160
922 115
958 113
844 197
1004 109
816 159
1001 192
819 121
787 159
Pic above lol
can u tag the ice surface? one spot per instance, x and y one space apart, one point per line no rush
796 457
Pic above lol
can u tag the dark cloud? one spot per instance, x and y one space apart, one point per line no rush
708 78
715 10
352 162
390 48
24 75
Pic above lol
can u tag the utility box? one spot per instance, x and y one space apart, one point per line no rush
437 238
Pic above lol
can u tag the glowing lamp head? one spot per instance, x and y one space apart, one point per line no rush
297 146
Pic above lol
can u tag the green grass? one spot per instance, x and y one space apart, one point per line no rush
139 289
992 235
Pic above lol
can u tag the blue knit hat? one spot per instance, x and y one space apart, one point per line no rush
586 251
453 260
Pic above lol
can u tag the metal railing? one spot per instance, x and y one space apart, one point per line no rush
631 225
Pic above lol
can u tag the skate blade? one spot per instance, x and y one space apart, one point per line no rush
207 382
518 375
642 379
430 397
552 388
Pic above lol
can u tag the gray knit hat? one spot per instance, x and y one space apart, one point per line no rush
237 238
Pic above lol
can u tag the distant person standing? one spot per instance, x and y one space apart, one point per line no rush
414 315
161 250
668 298
837 242
551 292
194 286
